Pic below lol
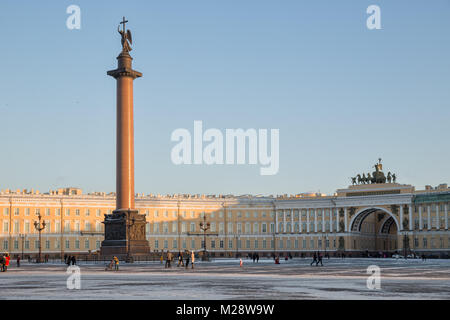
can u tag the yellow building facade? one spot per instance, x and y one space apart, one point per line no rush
366 219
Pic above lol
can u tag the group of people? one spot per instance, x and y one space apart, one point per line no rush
4 261
317 258
254 257
70 260
183 259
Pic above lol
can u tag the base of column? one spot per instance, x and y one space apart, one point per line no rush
125 234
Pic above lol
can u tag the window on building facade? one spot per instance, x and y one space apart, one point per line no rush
5 226
230 228
16 211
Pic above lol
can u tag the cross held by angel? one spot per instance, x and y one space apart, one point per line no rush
126 40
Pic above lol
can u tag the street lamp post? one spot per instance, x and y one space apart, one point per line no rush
39 227
129 225
204 226
237 244
22 236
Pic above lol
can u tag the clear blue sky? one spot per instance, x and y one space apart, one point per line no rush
341 95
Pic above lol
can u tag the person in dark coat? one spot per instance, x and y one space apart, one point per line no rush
319 259
74 260
68 260
18 261
314 259
65 258
187 260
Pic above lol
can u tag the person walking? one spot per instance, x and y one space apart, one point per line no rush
241 263
116 263
314 259
257 258
65 258
74 260
2 263
69 260
7 259
192 259
187 260
18 261
180 260
161 258
168 259
319 259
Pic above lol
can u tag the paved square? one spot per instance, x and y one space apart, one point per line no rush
225 279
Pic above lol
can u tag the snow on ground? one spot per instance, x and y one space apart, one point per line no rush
223 279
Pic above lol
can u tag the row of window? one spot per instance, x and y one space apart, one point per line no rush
52 226
47 212
257 244
47 245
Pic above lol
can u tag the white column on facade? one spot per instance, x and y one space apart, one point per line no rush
292 220
323 220
446 216
300 220
429 217
284 221
276 221
438 220
308 212
315 220
401 218
331 219
345 219
420 218
410 215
